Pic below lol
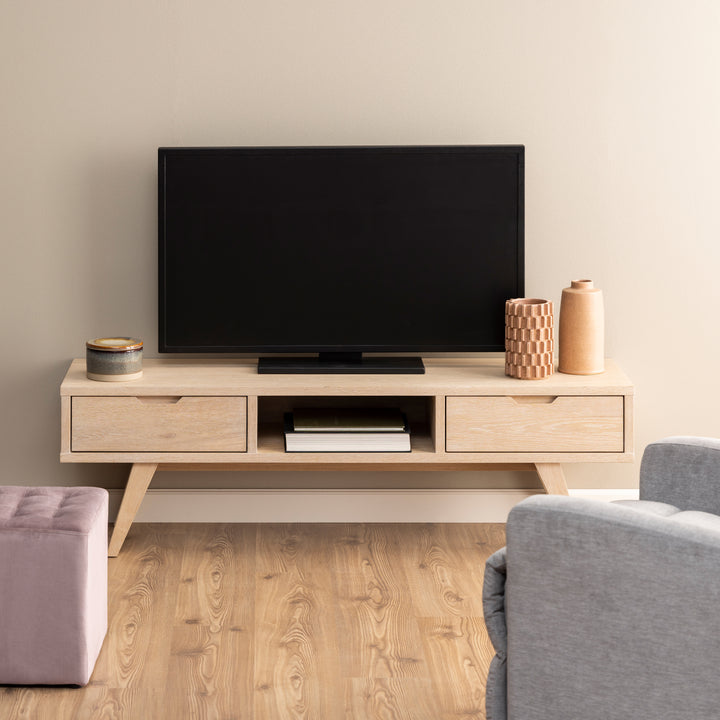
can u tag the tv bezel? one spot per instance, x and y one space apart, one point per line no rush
348 350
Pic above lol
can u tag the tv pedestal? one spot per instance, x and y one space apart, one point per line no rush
341 364
464 414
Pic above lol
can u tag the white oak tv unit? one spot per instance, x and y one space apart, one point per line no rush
464 414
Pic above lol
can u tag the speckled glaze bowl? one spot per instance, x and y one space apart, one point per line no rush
114 359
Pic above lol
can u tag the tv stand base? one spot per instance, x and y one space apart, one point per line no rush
341 364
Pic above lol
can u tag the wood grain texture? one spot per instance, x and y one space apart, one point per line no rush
458 653
441 580
392 699
296 674
373 597
443 376
287 622
215 411
211 652
464 414
138 482
552 477
159 424
566 424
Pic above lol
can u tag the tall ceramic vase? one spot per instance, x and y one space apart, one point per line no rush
581 336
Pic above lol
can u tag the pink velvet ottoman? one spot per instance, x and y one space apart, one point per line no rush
53 583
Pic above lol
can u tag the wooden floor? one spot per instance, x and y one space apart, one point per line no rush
325 622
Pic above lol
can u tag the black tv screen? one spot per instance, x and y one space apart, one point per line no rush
339 249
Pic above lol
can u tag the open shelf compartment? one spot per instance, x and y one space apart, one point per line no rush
419 410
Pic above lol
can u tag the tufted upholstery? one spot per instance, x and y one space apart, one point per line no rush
53 583
50 508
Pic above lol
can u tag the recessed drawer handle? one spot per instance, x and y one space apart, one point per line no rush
534 399
160 399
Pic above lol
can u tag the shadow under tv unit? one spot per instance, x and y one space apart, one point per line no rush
220 414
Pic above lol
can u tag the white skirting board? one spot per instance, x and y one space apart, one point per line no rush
321 506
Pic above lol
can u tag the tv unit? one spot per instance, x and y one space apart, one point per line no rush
339 252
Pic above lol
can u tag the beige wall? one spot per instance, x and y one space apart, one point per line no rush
618 104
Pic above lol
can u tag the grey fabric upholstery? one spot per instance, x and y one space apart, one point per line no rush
494 611
609 610
682 471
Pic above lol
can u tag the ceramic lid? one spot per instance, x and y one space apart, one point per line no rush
115 344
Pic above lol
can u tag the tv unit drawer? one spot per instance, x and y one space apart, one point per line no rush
159 424
566 423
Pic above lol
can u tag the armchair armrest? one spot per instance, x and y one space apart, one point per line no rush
682 471
612 612
494 612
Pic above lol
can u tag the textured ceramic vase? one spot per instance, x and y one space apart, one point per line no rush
581 337
529 338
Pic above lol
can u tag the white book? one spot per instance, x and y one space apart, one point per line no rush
339 441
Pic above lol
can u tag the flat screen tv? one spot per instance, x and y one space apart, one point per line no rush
339 252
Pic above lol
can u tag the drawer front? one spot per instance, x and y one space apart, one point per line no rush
159 424
567 423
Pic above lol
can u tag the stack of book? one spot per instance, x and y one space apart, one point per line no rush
346 430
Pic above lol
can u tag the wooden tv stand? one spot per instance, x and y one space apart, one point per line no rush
464 414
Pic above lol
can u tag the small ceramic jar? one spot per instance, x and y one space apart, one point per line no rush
114 359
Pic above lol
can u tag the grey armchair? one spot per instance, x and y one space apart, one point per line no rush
602 611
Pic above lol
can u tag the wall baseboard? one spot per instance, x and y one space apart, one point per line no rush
319 506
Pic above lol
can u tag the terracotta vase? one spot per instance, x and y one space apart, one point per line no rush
581 337
529 338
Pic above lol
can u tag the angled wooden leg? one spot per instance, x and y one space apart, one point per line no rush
552 477
140 476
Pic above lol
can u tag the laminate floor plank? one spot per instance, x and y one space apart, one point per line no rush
373 598
392 699
458 652
211 664
296 637
29 703
141 600
286 622
444 570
